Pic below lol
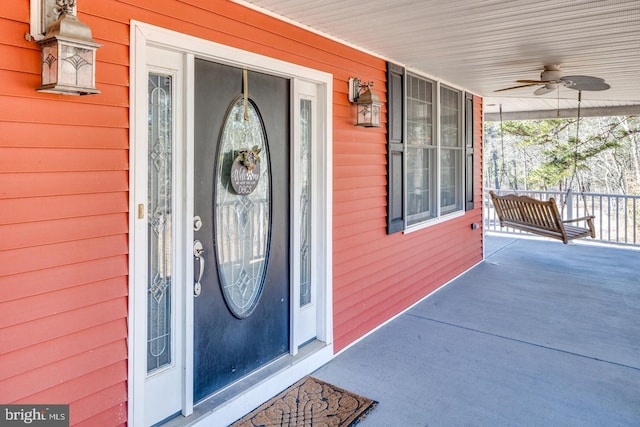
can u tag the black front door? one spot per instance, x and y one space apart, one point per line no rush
241 179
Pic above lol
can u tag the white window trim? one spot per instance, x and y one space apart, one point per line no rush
439 218
144 36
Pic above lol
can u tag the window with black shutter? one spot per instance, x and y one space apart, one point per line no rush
395 148
430 151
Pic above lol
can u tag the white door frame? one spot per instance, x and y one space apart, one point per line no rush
144 37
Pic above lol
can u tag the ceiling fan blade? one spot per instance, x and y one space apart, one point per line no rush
588 83
543 90
540 82
517 87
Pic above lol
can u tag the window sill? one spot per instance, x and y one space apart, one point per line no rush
416 227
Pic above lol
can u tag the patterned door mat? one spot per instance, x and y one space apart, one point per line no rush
307 403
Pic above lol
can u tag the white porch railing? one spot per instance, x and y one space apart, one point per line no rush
617 216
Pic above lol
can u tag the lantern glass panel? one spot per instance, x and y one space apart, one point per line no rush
50 64
363 115
368 115
76 66
375 115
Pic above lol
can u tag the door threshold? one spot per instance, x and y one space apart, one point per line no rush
233 402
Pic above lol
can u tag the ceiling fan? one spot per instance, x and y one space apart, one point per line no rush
551 78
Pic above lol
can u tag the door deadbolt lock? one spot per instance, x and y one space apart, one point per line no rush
197 223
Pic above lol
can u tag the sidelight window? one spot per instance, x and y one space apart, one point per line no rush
160 223
306 136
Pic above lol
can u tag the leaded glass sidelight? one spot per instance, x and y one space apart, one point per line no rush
160 223
305 200
242 221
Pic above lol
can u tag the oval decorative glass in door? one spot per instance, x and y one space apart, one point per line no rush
242 221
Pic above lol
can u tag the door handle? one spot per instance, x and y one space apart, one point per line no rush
198 252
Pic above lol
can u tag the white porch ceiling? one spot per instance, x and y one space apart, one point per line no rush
484 45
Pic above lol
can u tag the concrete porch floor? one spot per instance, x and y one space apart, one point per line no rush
539 334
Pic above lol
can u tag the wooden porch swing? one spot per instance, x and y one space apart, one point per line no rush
539 217
543 217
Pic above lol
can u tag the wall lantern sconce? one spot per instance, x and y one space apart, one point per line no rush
68 50
366 101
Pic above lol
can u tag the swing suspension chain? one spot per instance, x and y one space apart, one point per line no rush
575 175
503 172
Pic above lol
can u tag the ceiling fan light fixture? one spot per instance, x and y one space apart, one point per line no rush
551 78
549 87
551 75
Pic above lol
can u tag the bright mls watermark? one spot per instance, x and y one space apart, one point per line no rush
34 415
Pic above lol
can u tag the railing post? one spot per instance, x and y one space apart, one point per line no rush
569 204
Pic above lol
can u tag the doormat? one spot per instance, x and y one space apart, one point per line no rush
310 402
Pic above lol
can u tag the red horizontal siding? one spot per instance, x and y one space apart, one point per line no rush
118 34
48 232
66 300
343 221
41 330
64 204
62 160
17 362
104 400
63 225
379 265
18 84
108 381
358 157
16 211
24 58
24 110
15 10
46 135
115 416
359 182
75 389
358 170
22 386
361 227
40 257
406 272
60 277
20 184
359 205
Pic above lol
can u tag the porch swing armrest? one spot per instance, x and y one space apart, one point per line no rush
587 218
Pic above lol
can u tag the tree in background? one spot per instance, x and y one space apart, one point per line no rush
543 154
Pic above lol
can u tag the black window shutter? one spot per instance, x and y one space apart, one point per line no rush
468 137
395 148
